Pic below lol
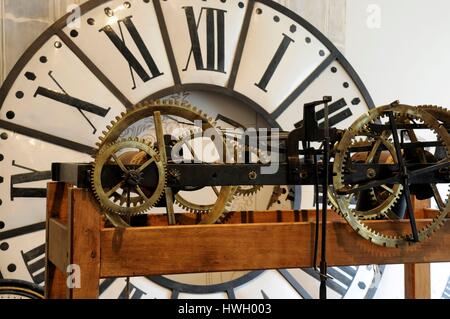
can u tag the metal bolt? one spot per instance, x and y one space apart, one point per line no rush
252 175
371 173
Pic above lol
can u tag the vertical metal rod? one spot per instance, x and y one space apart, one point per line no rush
404 174
326 159
162 152
316 200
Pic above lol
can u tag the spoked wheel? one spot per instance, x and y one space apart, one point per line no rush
415 167
136 138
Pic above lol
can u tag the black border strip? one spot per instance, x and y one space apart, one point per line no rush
328 44
241 44
303 86
167 42
22 231
94 69
47 137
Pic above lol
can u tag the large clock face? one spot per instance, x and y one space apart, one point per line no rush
251 62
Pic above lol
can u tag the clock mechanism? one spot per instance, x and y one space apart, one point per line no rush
247 63
376 165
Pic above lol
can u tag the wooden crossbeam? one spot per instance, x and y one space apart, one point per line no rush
268 240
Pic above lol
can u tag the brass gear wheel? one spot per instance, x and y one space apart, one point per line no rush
261 158
440 113
134 198
190 205
172 108
378 202
370 232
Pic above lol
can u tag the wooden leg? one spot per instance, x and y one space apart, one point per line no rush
417 281
84 252
55 279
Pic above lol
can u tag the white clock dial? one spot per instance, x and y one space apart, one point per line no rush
258 64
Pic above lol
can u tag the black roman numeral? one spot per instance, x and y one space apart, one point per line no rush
29 192
119 43
66 99
22 231
273 65
35 262
294 283
337 111
215 38
72 101
131 293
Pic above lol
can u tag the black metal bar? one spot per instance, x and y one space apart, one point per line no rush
316 201
326 168
404 175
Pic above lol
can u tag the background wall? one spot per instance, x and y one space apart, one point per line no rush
401 50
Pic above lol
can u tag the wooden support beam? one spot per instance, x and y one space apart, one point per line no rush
76 235
57 207
84 230
188 249
417 281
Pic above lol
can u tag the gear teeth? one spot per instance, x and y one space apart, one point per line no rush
401 112
137 204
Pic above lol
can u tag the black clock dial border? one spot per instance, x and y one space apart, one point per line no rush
227 287
328 44
167 42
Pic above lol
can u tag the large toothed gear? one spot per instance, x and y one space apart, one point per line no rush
147 110
134 197
440 113
367 230
383 199
172 108
185 140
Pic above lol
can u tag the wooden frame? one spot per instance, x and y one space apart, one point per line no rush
75 235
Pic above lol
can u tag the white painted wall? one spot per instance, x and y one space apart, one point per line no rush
401 50
408 56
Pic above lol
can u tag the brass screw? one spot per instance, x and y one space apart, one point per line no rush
252 175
